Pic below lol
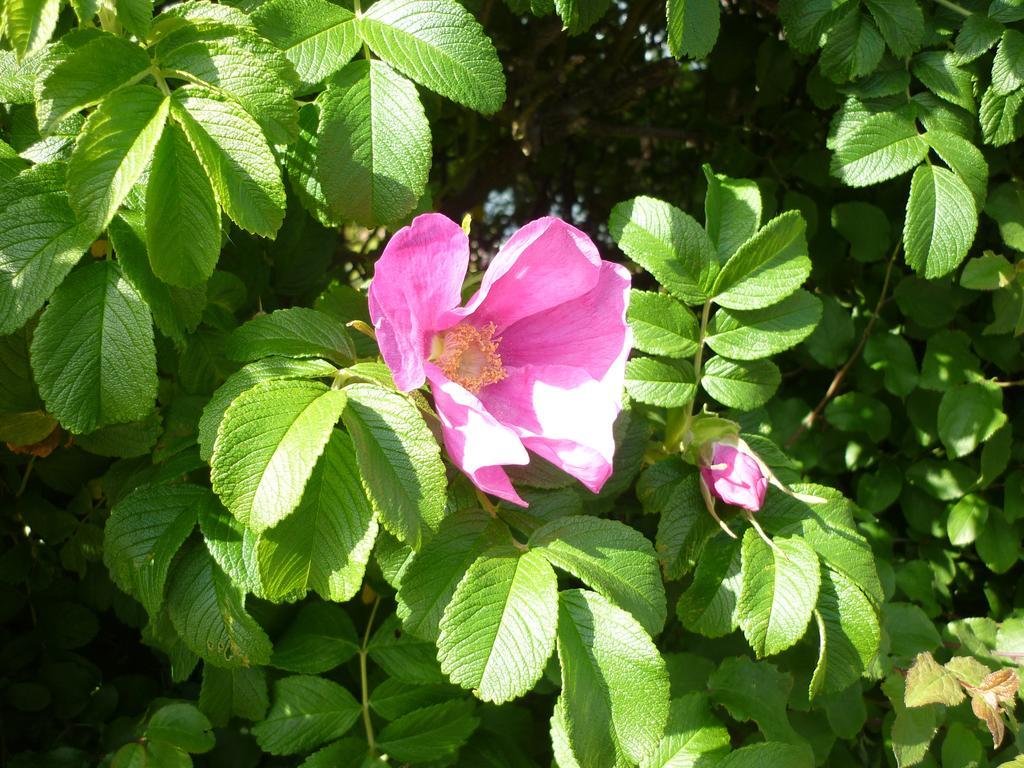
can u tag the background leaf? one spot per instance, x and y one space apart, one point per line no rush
93 354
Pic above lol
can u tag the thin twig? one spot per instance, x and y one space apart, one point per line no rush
837 380
367 723
25 477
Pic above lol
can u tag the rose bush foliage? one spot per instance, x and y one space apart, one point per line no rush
287 483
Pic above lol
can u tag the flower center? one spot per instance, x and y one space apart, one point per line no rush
468 355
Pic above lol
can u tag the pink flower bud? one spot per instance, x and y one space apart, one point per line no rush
735 477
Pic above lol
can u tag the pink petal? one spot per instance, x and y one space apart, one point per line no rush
562 414
589 332
735 477
416 284
474 439
544 264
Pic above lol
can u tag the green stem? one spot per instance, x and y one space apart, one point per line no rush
160 82
359 12
954 7
367 723
26 476
679 421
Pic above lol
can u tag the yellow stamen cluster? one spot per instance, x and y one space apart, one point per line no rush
468 355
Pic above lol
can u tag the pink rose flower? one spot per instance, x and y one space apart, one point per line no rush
534 360
735 477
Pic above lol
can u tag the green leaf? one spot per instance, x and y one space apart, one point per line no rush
692 27
829 528
661 325
987 272
430 733
40 241
804 22
103 64
440 45
199 13
611 558
998 545
857 412
135 16
325 543
1006 10
894 357
241 166
667 243
945 480
941 221
853 49
709 605
929 683
153 753
183 726
16 79
182 218
1006 206
740 384
769 753
580 15
136 438
373 148
969 415
176 311
93 354
865 227
1001 117
963 158
755 691
238 692
757 333
941 75
11 164
143 534
977 35
19 393
498 631
399 461
296 332
691 733
247 377
966 519
208 612
301 162
240 65
780 588
231 546
912 729
306 712
267 446
1008 65
392 699
848 634
948 360
615 692
317 36
732 211
901 24
319 639
667 383
113 149
29 24
404 656
882 147
430 580
767 268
